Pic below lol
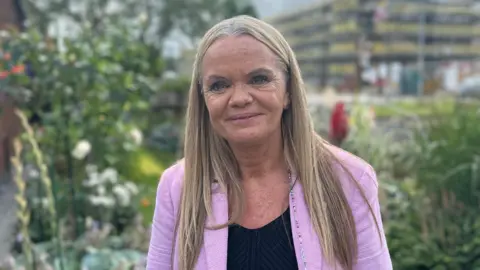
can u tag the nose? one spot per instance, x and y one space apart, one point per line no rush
240 96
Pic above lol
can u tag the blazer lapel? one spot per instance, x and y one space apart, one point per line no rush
306 241
216 241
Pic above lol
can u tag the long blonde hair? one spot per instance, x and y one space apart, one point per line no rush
208 157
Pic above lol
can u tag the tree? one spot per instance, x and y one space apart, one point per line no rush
151 21
194 18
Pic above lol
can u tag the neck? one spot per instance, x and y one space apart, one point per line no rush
260 159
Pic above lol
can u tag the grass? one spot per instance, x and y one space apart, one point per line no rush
144 167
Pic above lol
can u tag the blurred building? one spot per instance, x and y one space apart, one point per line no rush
347 42
11 16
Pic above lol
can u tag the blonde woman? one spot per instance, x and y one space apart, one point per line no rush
258 189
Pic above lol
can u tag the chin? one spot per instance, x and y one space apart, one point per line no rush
245 138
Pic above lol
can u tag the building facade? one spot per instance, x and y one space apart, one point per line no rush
337 41
11 15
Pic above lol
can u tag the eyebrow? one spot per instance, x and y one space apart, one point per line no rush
251 73
254 72
215 78
260 71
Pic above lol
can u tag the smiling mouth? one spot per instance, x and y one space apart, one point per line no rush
243 116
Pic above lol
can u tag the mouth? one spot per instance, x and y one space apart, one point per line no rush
244 116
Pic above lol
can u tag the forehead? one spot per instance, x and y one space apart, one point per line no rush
237 54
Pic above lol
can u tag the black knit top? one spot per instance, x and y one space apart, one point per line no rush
265 248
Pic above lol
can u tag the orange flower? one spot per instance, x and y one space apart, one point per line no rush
18 69
4 74
145 202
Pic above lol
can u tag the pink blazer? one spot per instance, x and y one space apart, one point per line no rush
373 252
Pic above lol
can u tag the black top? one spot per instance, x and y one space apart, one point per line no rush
265 248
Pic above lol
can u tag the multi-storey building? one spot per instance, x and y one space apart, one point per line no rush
335 40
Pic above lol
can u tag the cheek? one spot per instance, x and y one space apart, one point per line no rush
276 101
215 109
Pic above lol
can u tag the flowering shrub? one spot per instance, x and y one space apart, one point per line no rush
110 200
89 96
89 93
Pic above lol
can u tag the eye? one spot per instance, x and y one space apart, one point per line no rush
260 79
218 86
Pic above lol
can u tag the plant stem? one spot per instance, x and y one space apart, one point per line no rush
45 180
23 214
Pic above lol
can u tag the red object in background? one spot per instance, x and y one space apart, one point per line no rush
338 124
4 74
18 69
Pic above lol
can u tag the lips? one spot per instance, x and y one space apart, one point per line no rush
243 116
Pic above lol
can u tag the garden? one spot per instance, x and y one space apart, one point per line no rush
429 174
101 121
86 164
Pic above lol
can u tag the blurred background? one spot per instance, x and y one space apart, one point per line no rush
93 93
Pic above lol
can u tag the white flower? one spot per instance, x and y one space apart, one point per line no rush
137 136
106 201
93 180
33 173
123 195
101 190
131 187
90 168
82 149
88 222
42 58
42 202
4 34
109 175
143 17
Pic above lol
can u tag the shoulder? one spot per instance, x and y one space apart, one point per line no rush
171 181
354 173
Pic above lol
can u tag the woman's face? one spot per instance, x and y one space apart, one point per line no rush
244 89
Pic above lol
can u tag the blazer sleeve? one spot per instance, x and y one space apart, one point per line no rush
163 226
372 246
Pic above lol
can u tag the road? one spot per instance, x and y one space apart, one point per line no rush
7 215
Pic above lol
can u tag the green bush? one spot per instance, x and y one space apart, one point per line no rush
438 229
430 187
92 93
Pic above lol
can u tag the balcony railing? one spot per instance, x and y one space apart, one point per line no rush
309 54
349 26
438 30
343 48
316 18
380 48
317 37
349 68
342 5
398 8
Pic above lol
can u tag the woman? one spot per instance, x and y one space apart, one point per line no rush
258 189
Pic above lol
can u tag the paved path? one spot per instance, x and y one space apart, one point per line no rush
7 215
